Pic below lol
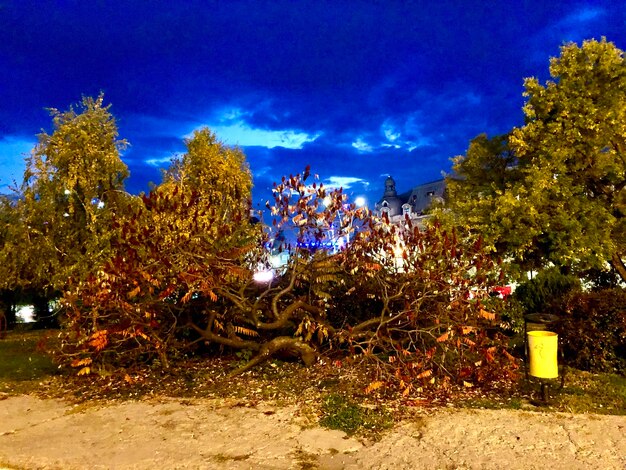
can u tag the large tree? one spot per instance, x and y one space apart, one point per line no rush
565 202
72 190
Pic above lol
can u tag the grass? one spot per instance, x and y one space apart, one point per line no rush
583 392
346 415
23 365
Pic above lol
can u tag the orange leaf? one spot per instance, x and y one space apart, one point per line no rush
426 373
99 340
443 337
467 329
469 342
509 356
373 386
81 362
488 315
187 297
171 288
134 292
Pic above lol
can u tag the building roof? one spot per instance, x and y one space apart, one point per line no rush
417 199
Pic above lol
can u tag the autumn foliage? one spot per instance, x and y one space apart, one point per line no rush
434 323
181 279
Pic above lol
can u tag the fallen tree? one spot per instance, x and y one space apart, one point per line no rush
412 302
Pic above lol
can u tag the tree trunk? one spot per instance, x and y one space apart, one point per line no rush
618 264
282 343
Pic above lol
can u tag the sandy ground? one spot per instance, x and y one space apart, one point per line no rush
207 434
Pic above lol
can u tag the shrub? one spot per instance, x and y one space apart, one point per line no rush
593 330
512 315
545 291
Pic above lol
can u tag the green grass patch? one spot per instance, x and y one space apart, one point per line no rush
583 392
23 365
586 392
345 415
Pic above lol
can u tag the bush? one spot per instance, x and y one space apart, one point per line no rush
546 291
593 330
511 313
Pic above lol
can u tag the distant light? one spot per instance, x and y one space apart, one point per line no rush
263 277
360 201
26 313
67 191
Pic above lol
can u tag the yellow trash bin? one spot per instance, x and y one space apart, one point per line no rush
542 348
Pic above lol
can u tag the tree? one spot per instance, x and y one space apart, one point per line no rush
475 189
8 219
72 190
175 250
565 202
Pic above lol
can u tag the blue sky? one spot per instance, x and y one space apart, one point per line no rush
357 89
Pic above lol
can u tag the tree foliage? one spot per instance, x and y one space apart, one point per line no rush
566 200
149 279
476 192
185 239
72 190
174 288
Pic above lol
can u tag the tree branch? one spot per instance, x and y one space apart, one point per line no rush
231 342
618 264
281 343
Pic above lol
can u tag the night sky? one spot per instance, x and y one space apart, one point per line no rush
357 89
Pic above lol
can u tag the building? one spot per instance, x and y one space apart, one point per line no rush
413 203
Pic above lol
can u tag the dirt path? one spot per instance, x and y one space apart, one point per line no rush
207 434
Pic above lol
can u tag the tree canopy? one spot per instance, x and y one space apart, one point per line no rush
72 189
565 200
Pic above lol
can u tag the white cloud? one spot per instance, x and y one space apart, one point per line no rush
230 126
241 134
583 15
362 146
390 132
158 162
13 150
406 133
344 182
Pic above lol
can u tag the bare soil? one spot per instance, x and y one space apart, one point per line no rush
179 433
